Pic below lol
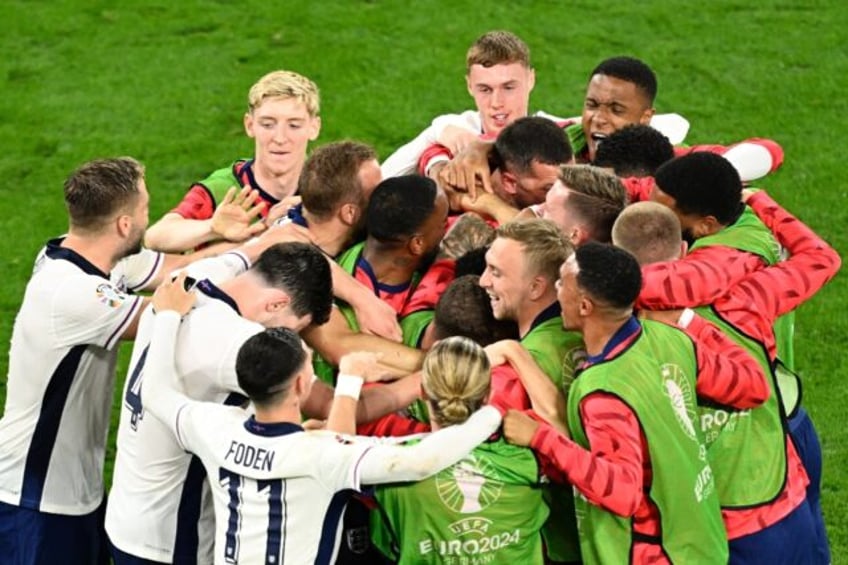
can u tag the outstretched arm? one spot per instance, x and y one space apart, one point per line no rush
441 449
782 287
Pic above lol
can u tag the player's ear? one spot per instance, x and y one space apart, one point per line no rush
531 79
538 287
277 301
124 224
248 124
647 114
415 245
509 182
314 128
349 213
707 225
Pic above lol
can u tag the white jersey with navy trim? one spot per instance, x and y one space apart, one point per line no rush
279 492
61 376
159 503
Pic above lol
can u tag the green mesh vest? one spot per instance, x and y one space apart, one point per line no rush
749 234
555 351
325 370
220 181
655 377
747 448
412 327
487 508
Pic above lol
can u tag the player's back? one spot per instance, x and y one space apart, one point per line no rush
276 489
158 488
488 507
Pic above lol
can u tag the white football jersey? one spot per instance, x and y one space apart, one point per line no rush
61 376
279 492
159 501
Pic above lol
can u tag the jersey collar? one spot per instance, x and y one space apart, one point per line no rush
270 430
55 250
623 335
295 214
245 172
209 289
551 311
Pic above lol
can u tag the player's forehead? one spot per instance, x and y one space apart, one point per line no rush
605 89
281 108
497 75
504 252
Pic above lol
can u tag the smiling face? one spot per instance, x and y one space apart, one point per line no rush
501 93
610 104
282 128
505 280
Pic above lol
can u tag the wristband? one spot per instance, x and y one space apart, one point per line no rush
686 318
349 385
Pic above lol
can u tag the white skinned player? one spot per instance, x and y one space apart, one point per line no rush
78 305
500 78
157 488
279 491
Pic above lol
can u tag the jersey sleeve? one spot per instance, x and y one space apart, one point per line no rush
695 280
219 268
610 472
727 374
89 309
405 159
339 464
137 270
782 287
197 204
752 158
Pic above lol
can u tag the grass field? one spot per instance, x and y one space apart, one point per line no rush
166 82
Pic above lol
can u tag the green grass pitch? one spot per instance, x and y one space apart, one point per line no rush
166 82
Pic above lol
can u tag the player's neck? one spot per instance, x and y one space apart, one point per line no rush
97 250
286 412
598 331
332 236
389 267
279 186
530 311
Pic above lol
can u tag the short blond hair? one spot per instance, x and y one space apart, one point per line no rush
545 246
649 231
497 48
597 198
456 377
285 84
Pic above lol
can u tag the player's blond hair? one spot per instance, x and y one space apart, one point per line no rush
544 246
597 198
649 231
285 84
497 48
456 377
